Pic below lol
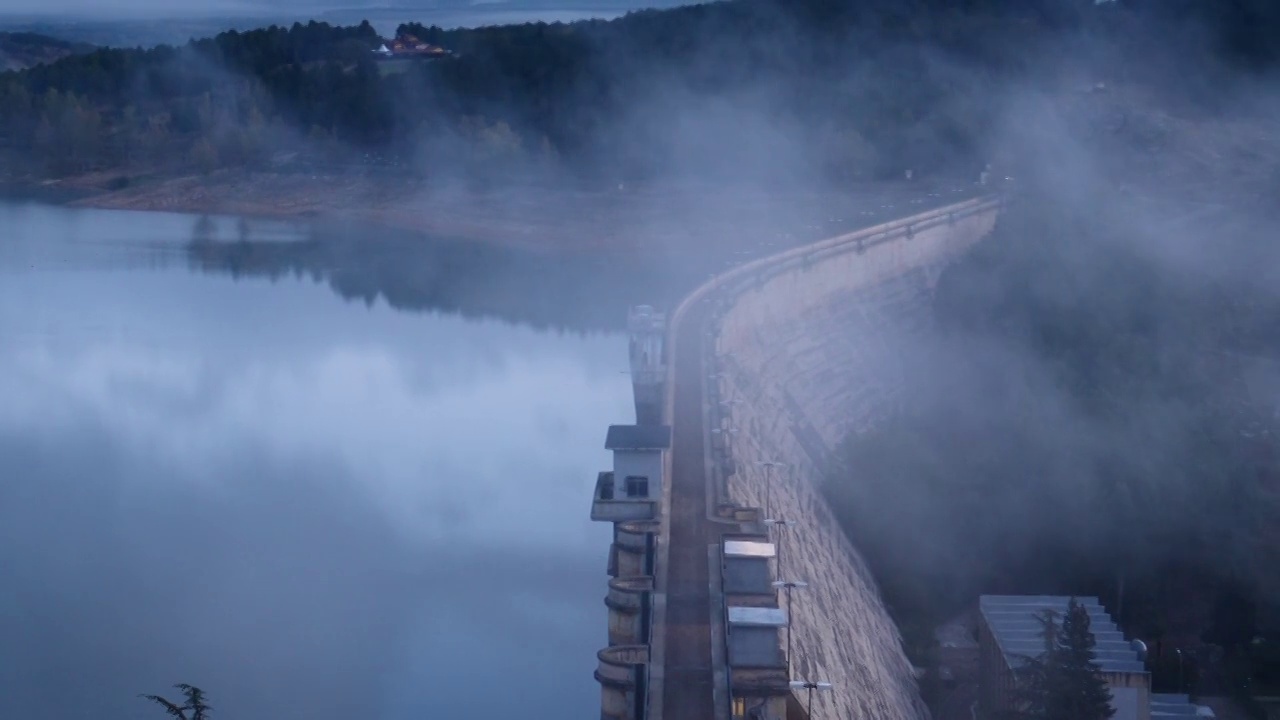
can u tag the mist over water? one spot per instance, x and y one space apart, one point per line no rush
259 477
312 507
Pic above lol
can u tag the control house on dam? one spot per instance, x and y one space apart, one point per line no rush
629 496
732 592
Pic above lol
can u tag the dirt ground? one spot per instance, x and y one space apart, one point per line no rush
555 219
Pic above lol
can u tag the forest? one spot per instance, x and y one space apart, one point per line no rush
873 86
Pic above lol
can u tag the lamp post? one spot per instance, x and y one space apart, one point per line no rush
788 585
768 466
713 382
772 522
810 686
1178 652
724 433
1120 595
726 407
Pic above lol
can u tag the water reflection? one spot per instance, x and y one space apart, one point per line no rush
310 507
580 292
672 242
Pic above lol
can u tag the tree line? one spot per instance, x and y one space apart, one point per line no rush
875 86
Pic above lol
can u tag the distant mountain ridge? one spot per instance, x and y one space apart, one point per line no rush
21 50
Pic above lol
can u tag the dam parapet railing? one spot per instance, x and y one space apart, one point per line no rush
727 288
778 287
750 276
750 623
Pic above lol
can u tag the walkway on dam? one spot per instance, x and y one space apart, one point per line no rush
688 684
687 631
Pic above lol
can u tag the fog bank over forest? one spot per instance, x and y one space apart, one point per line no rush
1098 411
746 91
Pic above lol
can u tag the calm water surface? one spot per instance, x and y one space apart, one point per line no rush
312 508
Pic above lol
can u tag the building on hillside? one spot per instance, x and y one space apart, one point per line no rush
408 47
1010 631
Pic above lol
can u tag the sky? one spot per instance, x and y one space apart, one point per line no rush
308 507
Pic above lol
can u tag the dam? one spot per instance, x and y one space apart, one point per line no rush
733 592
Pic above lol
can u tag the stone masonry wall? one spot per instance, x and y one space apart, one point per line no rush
806 355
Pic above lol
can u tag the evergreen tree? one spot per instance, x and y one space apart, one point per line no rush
1064 682
193 707
1038 679
1084 693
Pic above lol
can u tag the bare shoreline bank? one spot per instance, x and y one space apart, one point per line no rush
537 219
546 219
351 203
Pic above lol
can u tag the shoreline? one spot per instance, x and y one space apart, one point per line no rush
48 193
344 202
546 219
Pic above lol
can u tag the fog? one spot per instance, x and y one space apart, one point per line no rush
692 161
1099 404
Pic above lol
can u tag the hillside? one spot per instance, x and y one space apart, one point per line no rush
19 51
821 88
814 93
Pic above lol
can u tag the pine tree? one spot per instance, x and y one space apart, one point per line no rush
1064 682
1037 678
1085 695
194 706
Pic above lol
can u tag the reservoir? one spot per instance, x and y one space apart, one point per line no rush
233 457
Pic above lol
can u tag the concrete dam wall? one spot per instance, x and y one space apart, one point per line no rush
806 348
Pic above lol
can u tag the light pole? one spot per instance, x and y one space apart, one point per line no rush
768 466
1120 596
1178 652
788 585
810 686
724 433
772 522
726 407
713 381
